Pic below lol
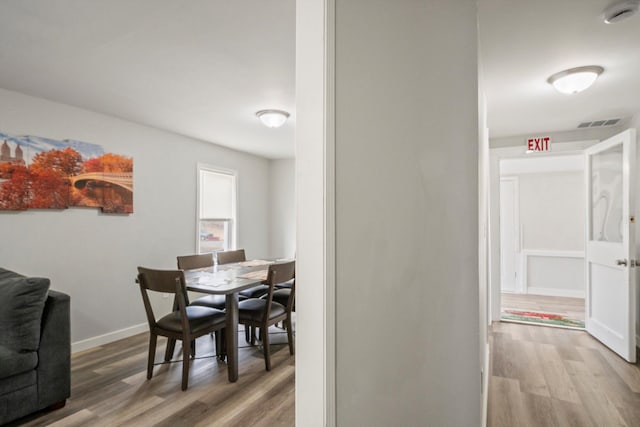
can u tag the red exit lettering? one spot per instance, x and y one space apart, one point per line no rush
539 144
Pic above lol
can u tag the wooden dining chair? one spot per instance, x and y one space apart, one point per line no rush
191 262
283 291
227 257
282 294
186 323
238 255
264 312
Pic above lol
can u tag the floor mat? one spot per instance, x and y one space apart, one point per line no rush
539 317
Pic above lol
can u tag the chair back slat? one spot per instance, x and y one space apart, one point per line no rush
190 262
160 280
228 257
281 272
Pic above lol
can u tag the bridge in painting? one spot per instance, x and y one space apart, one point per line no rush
124 180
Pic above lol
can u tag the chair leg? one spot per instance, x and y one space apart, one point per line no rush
247 336
265 348
290 335
193 348
153 339
253 335
218 337
171 347
223 341
185 365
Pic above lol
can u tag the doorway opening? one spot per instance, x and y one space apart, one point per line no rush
542 222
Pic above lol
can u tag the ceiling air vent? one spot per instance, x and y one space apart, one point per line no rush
598 123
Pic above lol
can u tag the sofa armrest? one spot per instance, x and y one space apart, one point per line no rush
54 354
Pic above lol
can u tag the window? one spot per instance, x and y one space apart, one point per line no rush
216 210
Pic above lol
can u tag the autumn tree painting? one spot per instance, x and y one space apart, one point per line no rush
107 182
15 187
68 173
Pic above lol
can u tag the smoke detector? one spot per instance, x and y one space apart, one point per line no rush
620 11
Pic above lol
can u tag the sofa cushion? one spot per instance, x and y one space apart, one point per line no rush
13 362
20 400
21 304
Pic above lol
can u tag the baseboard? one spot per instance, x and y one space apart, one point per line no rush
553 292
485 386
108 337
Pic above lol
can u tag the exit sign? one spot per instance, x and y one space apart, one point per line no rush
542 143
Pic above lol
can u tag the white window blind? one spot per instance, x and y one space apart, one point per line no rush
217 195
216 210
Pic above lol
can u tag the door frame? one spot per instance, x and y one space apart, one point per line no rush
315 379
517 235
495 155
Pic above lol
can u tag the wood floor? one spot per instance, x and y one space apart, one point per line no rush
540 377
109 388
570 307
546 377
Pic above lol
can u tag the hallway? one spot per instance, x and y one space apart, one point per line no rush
543 377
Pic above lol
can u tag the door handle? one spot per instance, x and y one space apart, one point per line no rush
621 262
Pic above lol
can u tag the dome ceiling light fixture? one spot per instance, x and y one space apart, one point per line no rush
620 11
272 118
575 80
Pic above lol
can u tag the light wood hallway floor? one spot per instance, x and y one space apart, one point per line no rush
546 377
109 388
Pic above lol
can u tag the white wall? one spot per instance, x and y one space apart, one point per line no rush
92 256
407 214
552 220
552 210
282 202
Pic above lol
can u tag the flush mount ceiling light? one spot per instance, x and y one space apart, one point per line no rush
575 80
272 118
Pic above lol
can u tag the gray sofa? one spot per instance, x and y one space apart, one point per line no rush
35 346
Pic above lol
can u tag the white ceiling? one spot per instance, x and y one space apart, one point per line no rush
202 68
523 42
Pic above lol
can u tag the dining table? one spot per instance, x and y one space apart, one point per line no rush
229 280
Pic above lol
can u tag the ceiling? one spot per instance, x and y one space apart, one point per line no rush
202 68
523 42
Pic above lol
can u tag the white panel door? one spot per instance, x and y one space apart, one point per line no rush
610 250
509 233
